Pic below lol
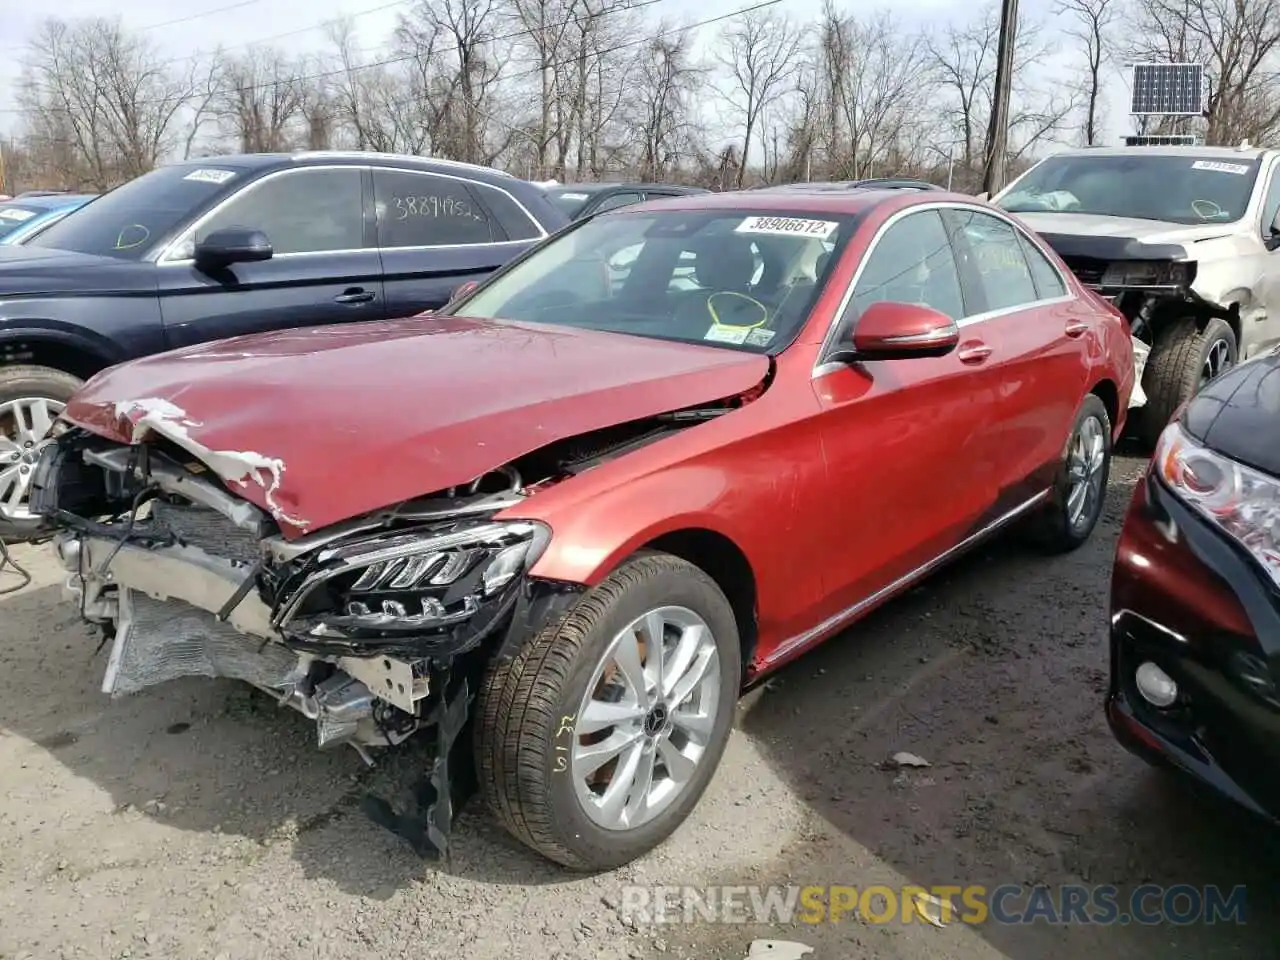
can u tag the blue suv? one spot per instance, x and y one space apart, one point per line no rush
213 248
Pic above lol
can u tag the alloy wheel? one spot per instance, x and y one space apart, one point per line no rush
646 719
1217 360
1087 457
24 423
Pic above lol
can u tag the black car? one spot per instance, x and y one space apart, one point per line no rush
1195 594
578 200
212 248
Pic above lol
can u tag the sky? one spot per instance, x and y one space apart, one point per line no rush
186 28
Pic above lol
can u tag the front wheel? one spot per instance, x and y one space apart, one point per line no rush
31 398
1183 359
597 740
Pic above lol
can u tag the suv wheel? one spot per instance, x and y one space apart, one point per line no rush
1183 359
597 740
30 400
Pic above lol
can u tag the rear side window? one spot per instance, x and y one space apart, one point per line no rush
423 210
1048 281
997 257
515 223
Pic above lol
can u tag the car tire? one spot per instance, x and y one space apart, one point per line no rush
1176 366
23 382
530 721
1063 524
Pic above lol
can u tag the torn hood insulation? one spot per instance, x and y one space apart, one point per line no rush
323 425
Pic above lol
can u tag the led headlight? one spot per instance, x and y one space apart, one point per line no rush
412 582
1242 502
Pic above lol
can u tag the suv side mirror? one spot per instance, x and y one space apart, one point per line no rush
900 331
231 245
1272 239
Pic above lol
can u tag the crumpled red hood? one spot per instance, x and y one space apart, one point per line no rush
325 424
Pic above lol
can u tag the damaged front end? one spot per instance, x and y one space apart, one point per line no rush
374 629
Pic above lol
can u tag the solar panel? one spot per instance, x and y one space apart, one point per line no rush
1168 89
1155 140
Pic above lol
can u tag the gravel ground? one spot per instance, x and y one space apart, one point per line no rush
196 820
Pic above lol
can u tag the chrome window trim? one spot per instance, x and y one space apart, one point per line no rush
161 259
821 368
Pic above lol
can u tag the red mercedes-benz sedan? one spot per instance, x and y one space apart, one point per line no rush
645 464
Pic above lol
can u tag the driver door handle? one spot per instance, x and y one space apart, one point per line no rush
973 352
354 295
1076 328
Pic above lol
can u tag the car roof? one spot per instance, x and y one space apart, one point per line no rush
597 187
1204 153
841 202
260 161
50 201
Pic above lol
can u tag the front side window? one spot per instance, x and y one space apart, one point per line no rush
739 279
1172 189
422 210
1272 204
127 222
997 258
911 263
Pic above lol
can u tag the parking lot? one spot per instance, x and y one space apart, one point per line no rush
197 820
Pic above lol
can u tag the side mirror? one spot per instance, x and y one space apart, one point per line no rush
1273 232
901 331
231 245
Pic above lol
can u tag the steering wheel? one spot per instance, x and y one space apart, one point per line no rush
1214 212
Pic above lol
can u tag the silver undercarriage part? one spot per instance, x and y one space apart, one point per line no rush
160 601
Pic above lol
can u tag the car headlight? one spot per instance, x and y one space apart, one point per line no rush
415 582
1148 273
1242 502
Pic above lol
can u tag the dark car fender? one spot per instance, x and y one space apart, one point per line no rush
79 335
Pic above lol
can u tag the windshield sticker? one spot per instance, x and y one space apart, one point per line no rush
573 196
209 175
723 334
788 227
1217 166
759 337
16 214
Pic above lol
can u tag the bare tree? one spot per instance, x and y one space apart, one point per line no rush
760 54
102 100
1089 24
1238 40
667 77
259 97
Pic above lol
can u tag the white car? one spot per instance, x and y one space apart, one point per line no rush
1184 240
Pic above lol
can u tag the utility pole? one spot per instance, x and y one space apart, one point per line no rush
998 131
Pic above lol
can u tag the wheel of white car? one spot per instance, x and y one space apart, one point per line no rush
597 740
31 398
1080 486
1183 359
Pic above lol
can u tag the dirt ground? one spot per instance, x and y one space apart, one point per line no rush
198 821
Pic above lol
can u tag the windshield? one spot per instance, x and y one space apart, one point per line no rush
569 201
1174 189
736 279
15 215
126 222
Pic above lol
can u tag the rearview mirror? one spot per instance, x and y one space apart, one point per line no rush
221 248
900 331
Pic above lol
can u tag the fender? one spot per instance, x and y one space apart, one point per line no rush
46 330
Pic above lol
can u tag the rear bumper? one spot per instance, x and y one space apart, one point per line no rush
1185 598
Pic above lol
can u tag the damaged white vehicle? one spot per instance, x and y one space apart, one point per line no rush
1184 240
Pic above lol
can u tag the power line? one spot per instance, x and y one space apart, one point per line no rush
404 58
171 23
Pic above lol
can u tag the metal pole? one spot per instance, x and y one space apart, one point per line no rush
998 131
